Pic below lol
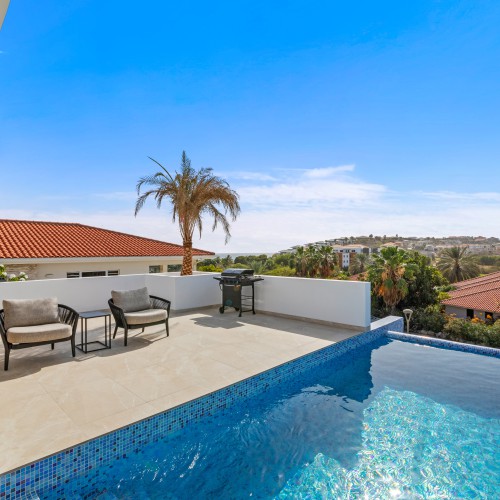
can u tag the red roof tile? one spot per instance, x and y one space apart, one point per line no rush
491 277
21 239
480 294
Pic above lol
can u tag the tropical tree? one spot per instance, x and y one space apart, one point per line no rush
390 274
327 260
193 194
313 261
427 284
457 264
359 263
301 262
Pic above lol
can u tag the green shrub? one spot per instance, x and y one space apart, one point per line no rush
429 318
465 330
211 268
281 271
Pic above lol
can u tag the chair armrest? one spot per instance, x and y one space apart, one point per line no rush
118 314
69 316
159 303
3 332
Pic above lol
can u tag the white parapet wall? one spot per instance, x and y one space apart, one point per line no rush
84 294
341 302
333 301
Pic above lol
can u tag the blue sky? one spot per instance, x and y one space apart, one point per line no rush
329 117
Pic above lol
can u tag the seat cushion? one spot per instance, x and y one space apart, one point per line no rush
38 333
29 312
131 300
146 316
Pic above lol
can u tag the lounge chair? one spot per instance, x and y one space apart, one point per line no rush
32 322
137 309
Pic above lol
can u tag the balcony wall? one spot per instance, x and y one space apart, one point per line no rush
342 302
335 301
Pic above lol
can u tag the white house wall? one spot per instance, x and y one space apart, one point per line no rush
139 267
55 270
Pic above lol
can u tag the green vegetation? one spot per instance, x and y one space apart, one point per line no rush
4 276
390 274
457 264
306 262
489 263
192 194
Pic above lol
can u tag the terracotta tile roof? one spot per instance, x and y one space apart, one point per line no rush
20 239
488 278
480 294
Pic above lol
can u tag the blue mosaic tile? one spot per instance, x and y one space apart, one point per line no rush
448 344
48 476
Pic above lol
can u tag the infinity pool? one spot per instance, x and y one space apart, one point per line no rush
389 420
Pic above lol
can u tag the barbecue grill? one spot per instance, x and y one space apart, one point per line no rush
237 286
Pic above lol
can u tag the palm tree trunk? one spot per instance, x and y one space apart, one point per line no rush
187 259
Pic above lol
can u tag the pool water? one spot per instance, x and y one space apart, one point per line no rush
389 420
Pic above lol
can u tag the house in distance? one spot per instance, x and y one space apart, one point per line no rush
45 250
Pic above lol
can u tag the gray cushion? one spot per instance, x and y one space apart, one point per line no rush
146 316
131 300
29 312
38 333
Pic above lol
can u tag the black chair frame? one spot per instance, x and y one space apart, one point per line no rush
66 315
121 322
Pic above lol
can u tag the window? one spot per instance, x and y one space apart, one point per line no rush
113 273
174 268
72 275
470 313
155 269
92 274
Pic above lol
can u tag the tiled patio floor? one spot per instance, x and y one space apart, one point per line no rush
50 401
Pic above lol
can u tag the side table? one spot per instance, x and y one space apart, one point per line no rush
84 317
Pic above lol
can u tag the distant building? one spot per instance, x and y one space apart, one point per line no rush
46 250
477 297
346 251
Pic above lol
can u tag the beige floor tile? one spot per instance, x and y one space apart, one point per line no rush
20 389
112 422
154 382
32 429
94 400
208 373
178 398
64 376
235 356
121 364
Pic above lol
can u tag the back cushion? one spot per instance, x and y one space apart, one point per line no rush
30 312
131 300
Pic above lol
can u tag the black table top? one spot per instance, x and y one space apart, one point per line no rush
95 314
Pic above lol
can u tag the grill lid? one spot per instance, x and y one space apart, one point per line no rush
237 273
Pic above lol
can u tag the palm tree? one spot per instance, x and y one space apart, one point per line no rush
390 273
313 261
327 260
457 264
193 194
359 263
301 262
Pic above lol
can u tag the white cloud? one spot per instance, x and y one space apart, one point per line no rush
321 173
467 197
251 176
295 209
